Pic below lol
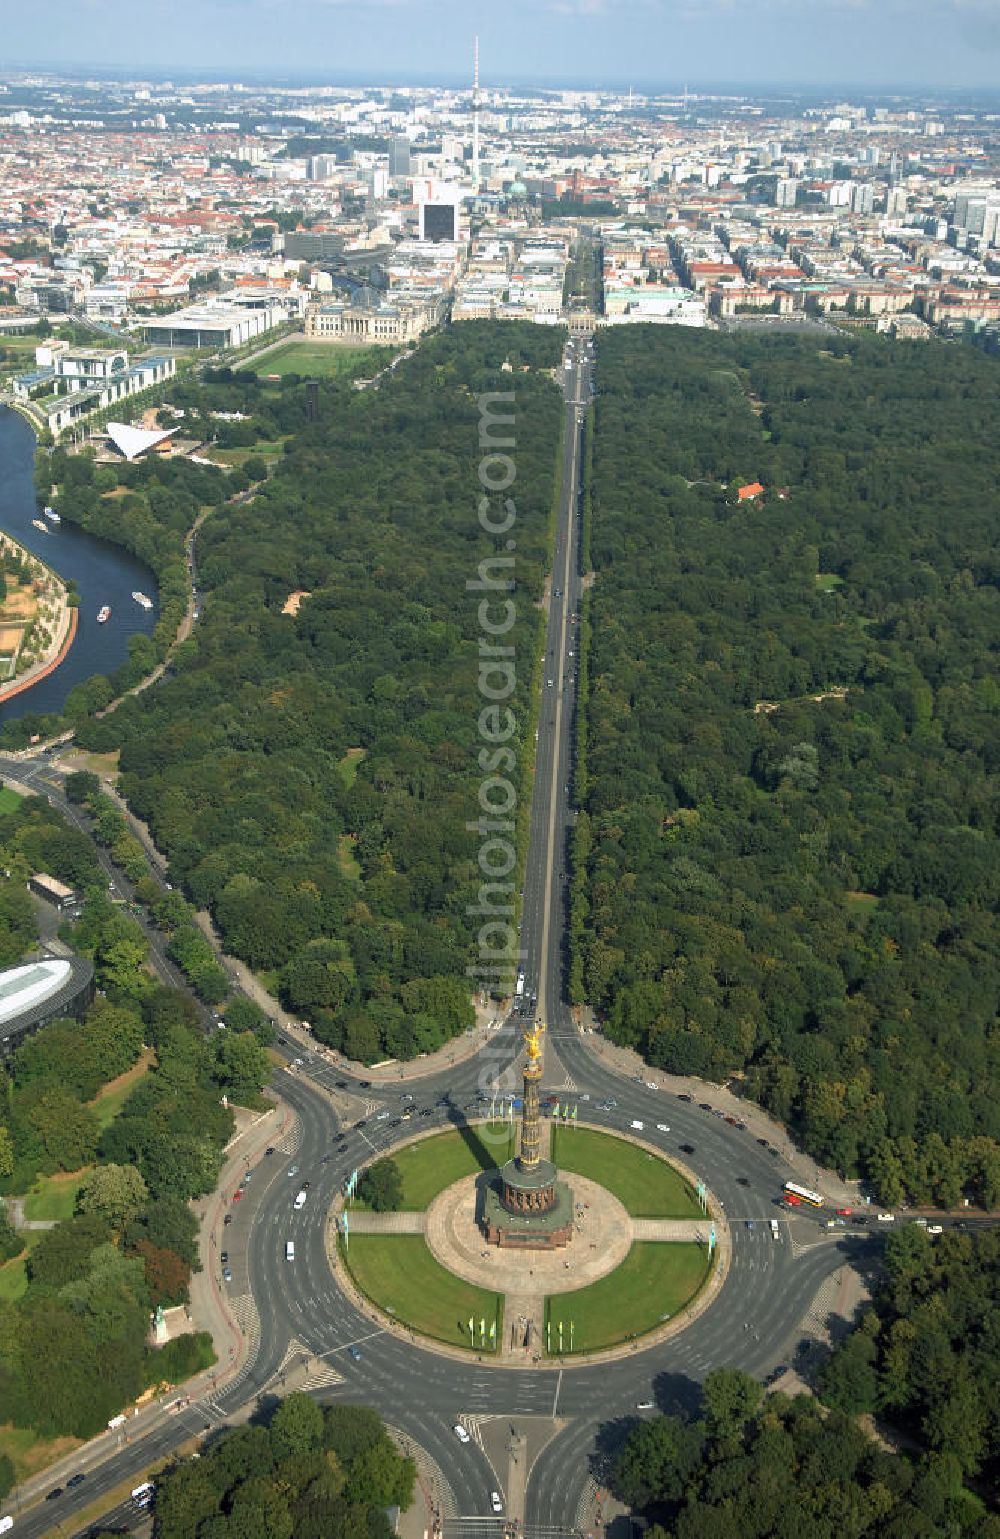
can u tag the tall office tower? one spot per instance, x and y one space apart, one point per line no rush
475 116
862 197
785 191
399 157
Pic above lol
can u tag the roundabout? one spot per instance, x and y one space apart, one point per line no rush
636 1259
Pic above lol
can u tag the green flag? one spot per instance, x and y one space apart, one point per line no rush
555 1110
575 1110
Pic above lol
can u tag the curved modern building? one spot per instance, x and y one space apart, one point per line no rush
36 993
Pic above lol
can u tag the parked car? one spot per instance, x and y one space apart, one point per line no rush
460 1433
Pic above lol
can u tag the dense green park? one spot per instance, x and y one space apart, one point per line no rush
310 1472
645 1185
787 865
653 1283
311 775
758 1466
399 1274
108 1126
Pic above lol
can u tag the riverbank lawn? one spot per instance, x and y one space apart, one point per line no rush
8 800
653 1283
398 1273
644 1184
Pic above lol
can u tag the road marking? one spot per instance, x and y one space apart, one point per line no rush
555 1401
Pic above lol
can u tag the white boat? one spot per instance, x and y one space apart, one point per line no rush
52 515
104 614
143 599
36 523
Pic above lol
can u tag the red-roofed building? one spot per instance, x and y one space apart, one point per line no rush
748 493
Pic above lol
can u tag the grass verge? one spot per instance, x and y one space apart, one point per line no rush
398 1273
653 1283
646 1185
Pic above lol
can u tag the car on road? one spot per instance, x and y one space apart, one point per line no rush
227 1275
354 1354
639 1127
238 1196
662 1127
886 1218
426 1111
844 1212
704 1106
52 1495
763 1143
749 1223
269 1149
683 1096
644 1405
935 1229
224 1257
365 1084
686 1148
550 682
496 1502
742 1181
228 1218
293 1170
300 1200
75 1480
651 1084
860 1218
460 1433
340 1084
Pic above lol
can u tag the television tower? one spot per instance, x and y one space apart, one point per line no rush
475 117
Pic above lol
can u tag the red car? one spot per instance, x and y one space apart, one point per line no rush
792 1200
845 1212
237 1196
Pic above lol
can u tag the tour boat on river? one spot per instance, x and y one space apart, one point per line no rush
52 515
36 523
103 614
142 598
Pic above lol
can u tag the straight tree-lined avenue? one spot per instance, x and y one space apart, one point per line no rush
304 1330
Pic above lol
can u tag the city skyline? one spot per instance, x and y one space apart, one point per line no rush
659 44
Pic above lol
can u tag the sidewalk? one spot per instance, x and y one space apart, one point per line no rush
210 1307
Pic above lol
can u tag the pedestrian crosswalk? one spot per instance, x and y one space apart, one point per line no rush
244 1312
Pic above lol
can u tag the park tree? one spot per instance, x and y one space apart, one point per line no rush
381 1186
296 1427
730 1398
115 1192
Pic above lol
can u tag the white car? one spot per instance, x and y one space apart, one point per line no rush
638 1126
662 1127
886 1218
497 1503
651 1084
300 1200
935 1229
460 1433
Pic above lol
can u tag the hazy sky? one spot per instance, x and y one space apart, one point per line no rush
947 43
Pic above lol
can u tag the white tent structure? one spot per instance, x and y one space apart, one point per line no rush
132 441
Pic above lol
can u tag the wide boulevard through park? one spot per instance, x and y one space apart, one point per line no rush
303 1330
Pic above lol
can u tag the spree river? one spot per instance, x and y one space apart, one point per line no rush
103 573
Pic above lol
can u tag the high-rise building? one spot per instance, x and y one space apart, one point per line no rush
862 198
438 221
785 192
399 157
